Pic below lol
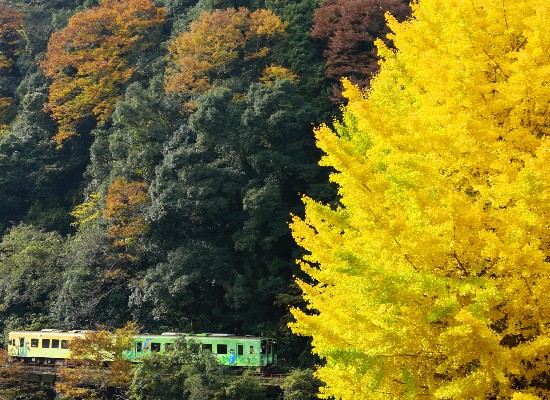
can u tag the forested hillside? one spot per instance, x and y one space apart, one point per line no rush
151 154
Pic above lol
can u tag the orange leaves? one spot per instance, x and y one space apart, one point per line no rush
264 27
97 358
123 210
88 60
264 22
214 41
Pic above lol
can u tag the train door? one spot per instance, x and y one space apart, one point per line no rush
240 350
274 353
22 352
263 352
269 352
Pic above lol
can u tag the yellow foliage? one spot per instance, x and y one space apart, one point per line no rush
430 278
274 72
522 396
86 212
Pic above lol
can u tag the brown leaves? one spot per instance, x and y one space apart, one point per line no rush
214 41
10 370
88 60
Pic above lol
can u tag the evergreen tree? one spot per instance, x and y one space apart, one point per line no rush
30 271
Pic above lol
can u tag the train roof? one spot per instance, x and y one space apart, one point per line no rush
202 335
161 335
56 332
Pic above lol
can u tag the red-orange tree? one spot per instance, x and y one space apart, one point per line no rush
88 60
123 206
349 28
216 40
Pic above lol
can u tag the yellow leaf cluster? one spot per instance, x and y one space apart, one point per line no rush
430 278
274 72
86 212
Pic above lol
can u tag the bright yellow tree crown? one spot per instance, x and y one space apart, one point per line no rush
431 278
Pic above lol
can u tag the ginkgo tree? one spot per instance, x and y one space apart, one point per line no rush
430 278
89 60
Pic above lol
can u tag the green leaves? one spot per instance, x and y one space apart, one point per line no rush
30 272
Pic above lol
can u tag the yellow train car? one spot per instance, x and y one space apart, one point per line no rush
48 346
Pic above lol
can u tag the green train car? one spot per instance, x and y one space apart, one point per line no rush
51 346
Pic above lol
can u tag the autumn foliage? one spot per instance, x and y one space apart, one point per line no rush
11 22
11 384
431 277
88 60
10 371
216 40
123 211
97 363
349 28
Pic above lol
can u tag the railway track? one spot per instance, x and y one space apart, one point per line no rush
268 378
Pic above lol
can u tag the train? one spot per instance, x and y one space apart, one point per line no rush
52 347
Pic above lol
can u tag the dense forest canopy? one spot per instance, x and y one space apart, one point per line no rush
151 154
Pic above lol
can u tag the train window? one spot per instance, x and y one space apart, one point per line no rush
45 343
34 342
222 349
155 347
263 346
22 342
251 349
55 343
269 349
64 344
207 346
139 346
240 349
